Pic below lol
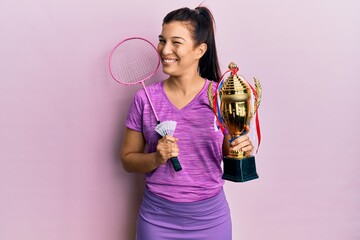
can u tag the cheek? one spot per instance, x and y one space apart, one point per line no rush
158 49
182 53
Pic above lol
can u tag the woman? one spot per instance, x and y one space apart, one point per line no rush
189 204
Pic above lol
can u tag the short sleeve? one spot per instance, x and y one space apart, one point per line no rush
135 115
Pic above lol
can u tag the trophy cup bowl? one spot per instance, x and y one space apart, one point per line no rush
236 111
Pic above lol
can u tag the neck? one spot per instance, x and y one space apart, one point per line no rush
185 85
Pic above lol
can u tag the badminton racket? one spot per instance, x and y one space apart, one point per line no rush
135 60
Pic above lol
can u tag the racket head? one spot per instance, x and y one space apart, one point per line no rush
133 60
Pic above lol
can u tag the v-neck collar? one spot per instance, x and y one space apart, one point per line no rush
187 105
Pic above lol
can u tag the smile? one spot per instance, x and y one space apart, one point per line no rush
168 61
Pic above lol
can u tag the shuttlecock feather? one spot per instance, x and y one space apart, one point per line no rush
166 128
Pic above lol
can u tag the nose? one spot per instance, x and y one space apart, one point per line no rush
164 49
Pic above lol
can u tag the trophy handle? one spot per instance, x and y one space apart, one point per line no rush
258 94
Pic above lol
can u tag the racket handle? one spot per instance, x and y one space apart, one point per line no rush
176 164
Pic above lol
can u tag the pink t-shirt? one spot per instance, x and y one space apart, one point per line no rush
200 144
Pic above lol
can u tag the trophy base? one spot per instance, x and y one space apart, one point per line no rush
236 170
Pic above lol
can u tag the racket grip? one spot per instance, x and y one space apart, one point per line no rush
176 164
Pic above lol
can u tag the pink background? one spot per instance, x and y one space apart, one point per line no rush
62 117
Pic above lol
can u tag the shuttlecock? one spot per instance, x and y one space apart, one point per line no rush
166 128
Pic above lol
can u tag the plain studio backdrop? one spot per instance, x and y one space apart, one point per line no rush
62 117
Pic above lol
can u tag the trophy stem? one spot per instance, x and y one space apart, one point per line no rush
239 170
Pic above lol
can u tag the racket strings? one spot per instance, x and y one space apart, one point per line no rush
134 61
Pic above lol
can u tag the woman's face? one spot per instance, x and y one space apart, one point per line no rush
177 49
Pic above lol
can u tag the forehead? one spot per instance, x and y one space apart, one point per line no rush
176 29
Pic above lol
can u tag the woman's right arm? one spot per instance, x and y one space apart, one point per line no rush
135 160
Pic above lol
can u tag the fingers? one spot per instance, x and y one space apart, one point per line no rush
168 138
242 143
167 148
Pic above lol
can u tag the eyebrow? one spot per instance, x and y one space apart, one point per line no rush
160 36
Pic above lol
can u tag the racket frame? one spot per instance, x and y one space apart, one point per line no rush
140 81
174 160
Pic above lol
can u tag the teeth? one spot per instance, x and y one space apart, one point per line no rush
169 60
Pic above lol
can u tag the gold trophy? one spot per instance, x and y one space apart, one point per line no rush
236 111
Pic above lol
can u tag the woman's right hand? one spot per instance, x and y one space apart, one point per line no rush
167 148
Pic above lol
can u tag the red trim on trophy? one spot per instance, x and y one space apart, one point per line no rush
216 106
257 121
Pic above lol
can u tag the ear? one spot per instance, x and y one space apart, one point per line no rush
201 50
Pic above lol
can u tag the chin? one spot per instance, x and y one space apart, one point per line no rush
166 70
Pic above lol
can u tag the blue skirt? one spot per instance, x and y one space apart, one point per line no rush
161 219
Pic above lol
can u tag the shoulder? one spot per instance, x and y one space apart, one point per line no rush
152 88
213 85
211 91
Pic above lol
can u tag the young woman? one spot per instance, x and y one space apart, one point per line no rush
189 204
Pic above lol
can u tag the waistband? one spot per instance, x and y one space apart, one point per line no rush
184 215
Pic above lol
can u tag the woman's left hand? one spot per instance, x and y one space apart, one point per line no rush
243 144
